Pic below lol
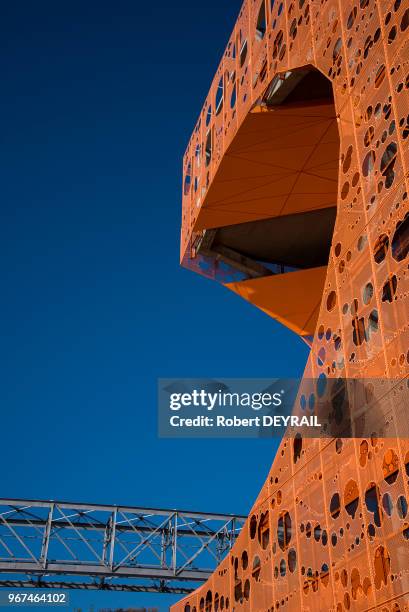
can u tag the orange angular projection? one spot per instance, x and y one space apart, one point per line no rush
283 297
295 196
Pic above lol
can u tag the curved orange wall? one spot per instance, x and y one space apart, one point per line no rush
313 540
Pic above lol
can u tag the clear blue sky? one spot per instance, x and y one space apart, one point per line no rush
98 101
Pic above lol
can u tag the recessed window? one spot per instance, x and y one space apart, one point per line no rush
219 96
208 149
188 179
243 53
261 22
284 530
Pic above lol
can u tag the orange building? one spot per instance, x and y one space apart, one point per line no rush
295 196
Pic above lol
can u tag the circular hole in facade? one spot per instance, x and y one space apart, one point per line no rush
347 160
388 163
233 97
344 190
351 18
402 506
219 96
321 356
188 179
389 289
238 591
380 75
367 293
321 384
331 301
246 590
362 242
404 24
387 504
243 53
208 148
368 163
256 569
369 135
373 321
297 447
263 531
351 498
335 506
292 560
381 248
337 50
400 240
261 22
283 568
284 530
253 527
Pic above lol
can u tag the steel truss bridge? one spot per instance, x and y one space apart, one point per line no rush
52 544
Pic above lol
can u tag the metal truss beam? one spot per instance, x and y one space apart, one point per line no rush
95 586
121 548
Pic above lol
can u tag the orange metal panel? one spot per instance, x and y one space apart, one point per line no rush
293 298
338 513
280 162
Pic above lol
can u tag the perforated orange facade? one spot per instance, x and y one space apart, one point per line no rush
295 197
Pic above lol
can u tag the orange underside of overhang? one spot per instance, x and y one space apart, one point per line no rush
292 299
282 161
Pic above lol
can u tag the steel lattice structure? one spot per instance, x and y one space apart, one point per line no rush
295 197
93 546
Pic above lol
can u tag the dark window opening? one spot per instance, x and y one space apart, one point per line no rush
208 601
255 572
243 53
400 240
389 289
253 527
238 592
264 530
208 148
297 447
358 326
188 179
261 22
287 241
372 503
219 96
352 506
299 86
284 531
335 506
